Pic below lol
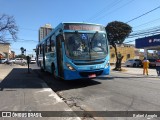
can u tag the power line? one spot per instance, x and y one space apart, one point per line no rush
28 29
21 40
144 33
152 28
143 14
146 30
146 23
115 10
102 11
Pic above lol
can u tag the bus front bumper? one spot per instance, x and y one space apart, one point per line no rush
73 75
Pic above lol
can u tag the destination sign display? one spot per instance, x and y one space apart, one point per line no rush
85 27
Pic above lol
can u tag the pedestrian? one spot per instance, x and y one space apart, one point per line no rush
145 66
158 67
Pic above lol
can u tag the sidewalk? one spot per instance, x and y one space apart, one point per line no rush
136 71
21 91
5 69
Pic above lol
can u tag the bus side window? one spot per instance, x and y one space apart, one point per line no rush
48 45
37 51
41 49
45 46
52 43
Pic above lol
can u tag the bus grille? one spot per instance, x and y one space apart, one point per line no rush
85 74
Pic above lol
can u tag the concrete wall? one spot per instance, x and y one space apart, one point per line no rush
127 51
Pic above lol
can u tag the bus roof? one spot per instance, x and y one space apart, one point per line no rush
80 23
61 25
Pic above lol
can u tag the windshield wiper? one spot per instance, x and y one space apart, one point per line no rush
94 35
90 43
93 38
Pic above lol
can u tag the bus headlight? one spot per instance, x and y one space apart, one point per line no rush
70 67
107 64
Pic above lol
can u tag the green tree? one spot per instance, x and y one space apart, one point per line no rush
7 27
21 56
22 51
117 32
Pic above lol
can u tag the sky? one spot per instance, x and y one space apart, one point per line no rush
30 15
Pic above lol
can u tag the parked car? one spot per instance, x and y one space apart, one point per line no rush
152 62
32 61
9 61
20 61
133 63
3 60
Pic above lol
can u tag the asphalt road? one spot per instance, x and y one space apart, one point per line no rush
116 92
24 93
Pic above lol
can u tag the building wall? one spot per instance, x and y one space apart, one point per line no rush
5 48
12 54
127 51
44 31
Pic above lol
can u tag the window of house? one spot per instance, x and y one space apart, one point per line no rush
112 55
128 56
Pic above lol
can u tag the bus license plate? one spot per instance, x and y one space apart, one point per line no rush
92 75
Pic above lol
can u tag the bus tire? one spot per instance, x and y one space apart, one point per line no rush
53 71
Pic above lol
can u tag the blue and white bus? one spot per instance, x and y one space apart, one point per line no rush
75 51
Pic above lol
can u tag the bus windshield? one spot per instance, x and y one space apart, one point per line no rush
86 46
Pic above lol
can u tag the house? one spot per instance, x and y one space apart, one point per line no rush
125 50
5 50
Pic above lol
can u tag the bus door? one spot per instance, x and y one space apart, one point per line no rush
59 52
44 63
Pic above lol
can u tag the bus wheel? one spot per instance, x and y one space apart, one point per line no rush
53 71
